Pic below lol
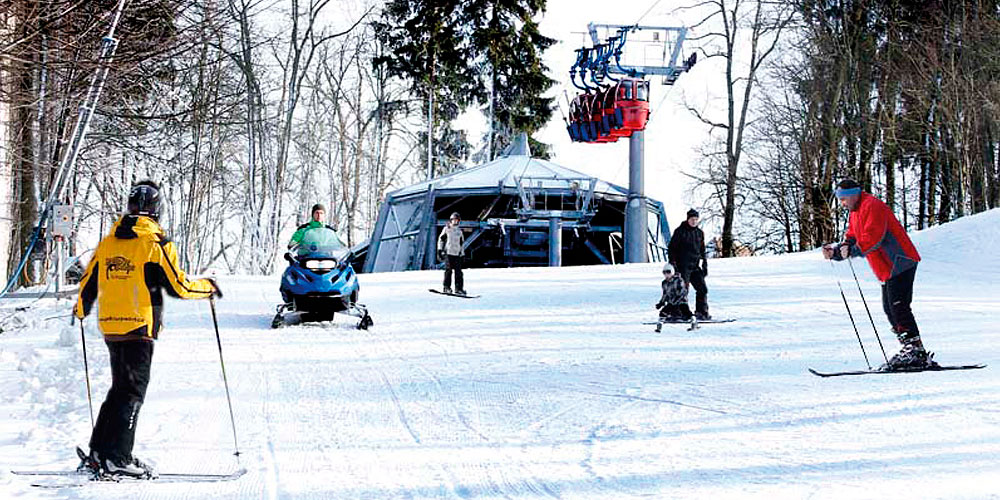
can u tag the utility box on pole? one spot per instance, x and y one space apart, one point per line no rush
62 221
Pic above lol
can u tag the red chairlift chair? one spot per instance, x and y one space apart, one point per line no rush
633 101
613 113
600 125
575 126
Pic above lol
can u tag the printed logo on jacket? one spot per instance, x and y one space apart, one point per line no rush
118 268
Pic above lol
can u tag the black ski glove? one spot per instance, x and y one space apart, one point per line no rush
441 255
217 292
658 305
704 268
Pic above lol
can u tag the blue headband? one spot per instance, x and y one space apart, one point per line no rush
844 193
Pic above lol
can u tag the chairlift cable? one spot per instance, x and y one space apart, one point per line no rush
648 11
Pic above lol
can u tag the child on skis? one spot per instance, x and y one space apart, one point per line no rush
673 303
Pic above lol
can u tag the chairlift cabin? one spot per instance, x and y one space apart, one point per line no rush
632 98
516 211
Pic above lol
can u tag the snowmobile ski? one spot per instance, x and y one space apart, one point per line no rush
286 316
439 292
876 371
688 322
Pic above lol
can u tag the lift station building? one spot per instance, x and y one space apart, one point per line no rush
516 211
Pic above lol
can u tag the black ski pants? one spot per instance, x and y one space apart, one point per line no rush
696 278
676 311
454 263
114 432
897 293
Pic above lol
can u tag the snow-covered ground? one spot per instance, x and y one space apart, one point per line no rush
549 386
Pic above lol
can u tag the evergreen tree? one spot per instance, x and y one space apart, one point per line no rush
507 40
429 45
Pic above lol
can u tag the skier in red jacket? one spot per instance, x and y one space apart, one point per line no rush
874 232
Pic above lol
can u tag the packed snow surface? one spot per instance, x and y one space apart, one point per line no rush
549 386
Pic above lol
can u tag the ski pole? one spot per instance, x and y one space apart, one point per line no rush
865 302
225 381
86 372
849 315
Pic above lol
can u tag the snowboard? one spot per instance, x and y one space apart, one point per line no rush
439 292
939 368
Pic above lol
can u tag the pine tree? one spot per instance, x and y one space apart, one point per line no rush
430 47
508 41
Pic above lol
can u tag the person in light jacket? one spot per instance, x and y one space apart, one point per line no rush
450 250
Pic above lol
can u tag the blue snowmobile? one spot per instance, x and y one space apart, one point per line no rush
319 282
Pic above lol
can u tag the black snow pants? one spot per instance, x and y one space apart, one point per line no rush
676 311
454 263
114 432
696 278
897 293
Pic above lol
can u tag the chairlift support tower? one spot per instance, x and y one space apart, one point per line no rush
666 52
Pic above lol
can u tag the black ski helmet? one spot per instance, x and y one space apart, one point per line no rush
144 199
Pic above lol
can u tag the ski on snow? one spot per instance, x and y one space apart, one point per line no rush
72 478
875 371
688 322
439 292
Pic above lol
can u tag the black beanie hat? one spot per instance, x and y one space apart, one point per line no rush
319 206
692 213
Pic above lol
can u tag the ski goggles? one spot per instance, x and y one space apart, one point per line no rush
845 193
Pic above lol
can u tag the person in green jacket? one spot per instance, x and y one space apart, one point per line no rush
318 212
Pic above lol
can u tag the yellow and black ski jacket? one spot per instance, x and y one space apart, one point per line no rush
127 274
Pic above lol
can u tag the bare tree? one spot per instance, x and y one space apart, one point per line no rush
765 22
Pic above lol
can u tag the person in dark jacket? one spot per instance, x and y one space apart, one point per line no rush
127 275
685 252
673 304
875 233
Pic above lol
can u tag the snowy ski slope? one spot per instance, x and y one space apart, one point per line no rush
549 386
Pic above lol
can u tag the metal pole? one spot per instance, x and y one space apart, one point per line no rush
430 133
68 163
635 212
555 242
86 372
59 259
865 302
849 315
225 380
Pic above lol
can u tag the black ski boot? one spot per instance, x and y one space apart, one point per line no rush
912 356
89 463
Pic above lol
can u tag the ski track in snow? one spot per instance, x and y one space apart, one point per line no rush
549 386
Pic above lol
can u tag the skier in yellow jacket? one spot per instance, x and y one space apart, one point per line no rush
127 275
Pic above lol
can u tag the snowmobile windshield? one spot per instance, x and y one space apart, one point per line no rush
321 242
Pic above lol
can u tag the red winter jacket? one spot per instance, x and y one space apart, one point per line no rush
874 231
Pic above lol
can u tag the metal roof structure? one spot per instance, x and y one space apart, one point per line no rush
517 211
